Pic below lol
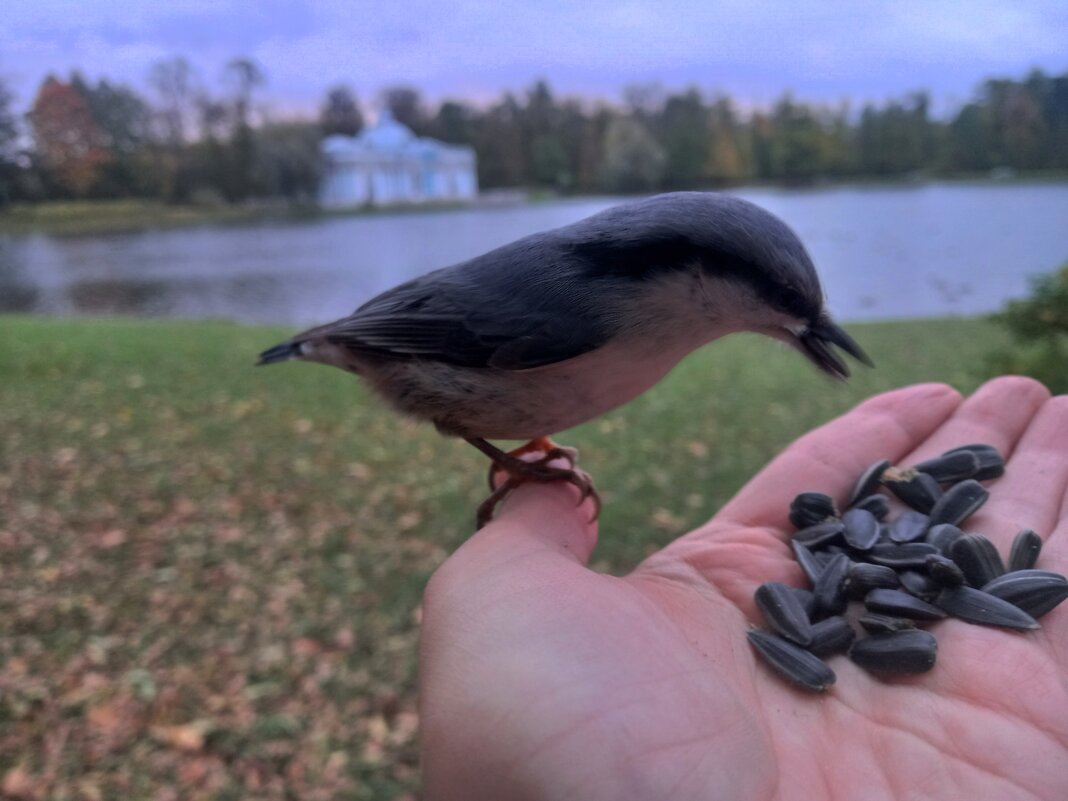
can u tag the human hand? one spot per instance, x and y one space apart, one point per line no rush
541 679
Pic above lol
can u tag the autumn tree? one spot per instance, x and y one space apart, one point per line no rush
125 123
340 113
728 156
69 142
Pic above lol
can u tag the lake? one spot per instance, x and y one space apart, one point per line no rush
882 252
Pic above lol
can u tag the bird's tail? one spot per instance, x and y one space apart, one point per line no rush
280 353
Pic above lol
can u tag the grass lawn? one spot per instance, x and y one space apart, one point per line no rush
210 574
109 216
77 217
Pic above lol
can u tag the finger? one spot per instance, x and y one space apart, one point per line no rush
536 521
1030 494
830 458
549 513
997 414
1033 493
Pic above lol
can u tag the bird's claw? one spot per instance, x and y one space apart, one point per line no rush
518 471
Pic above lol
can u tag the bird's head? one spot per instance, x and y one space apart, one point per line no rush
783 297
755 273
752 258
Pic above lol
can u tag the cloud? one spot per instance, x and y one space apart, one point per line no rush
752 48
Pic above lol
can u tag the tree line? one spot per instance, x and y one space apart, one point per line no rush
190 142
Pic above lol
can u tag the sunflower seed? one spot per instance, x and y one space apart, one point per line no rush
942 536
1034 591
916 490
875 503
915 583
976 606
796 664
868 481
807 599
944 570
900 652
861 529
959 503
991 465
909 526
864 577
901 604
875 623
830 598
832 635
820 534
901 556
950 468
977 558
784 611
810 508
808 561
1025 550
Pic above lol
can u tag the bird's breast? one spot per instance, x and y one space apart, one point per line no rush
504 404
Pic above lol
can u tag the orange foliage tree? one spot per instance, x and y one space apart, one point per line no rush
69 142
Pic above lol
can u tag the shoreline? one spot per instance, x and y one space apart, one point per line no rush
89 217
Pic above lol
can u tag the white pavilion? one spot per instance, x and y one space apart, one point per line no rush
387 164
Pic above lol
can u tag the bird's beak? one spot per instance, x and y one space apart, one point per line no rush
816 340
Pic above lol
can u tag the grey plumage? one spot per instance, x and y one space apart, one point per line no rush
562 312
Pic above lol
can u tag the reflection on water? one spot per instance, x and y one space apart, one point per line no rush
882 252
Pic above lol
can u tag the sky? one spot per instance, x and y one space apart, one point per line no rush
821 50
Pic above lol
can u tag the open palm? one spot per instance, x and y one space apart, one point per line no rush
541 679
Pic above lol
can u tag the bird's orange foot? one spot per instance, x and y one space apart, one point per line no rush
518 470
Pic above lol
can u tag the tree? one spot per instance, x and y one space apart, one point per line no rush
9 134
406 106
69 142
455 123
545 155
245 76
633 161
173 80
340 113
644 100
501 161
125 123
727 158
685 136
1038 326
797 144
287 160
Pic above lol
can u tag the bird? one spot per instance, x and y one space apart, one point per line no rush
560 327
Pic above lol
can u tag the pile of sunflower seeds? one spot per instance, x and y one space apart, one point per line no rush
916 569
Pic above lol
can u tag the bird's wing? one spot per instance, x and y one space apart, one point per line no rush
467 323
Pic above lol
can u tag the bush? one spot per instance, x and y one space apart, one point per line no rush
1038 326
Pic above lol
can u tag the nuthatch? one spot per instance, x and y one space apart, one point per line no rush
559 327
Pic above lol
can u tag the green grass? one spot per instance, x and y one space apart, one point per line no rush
112 216
78 217
210 574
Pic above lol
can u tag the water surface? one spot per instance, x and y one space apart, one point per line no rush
883 252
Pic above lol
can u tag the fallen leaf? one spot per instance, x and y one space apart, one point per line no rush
184 737
18 783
